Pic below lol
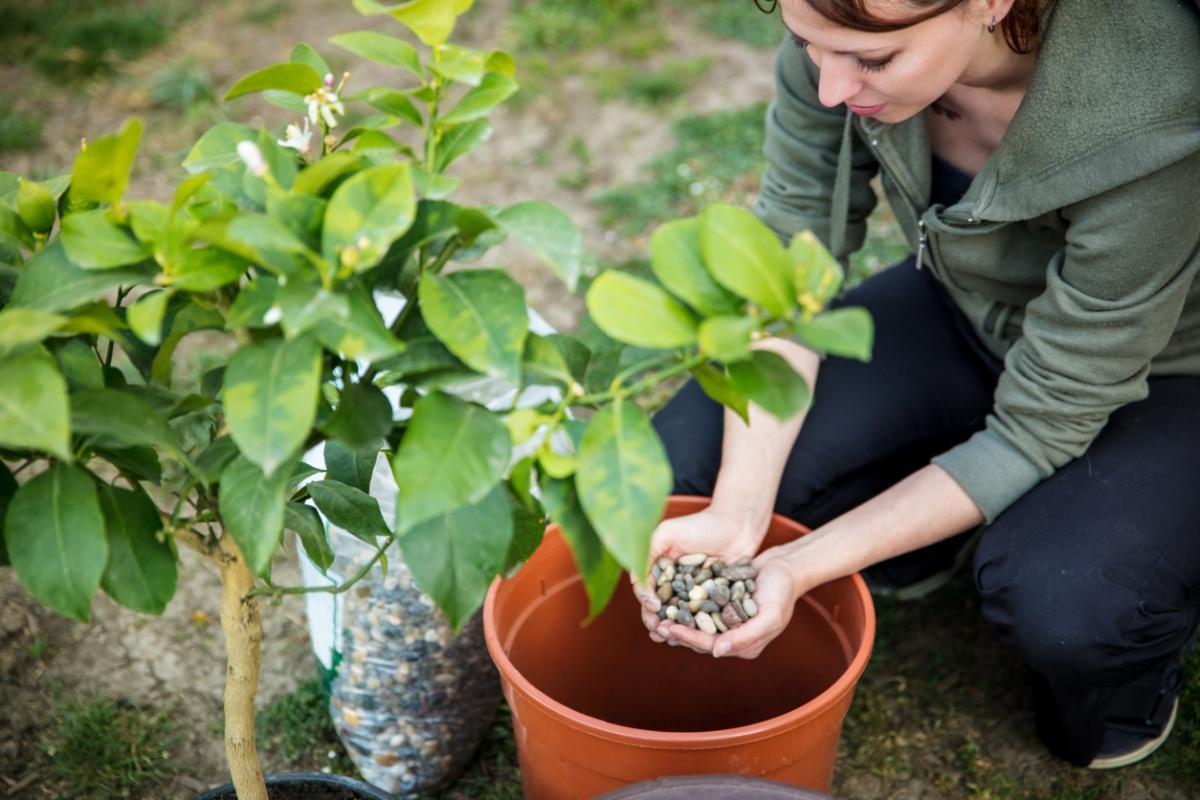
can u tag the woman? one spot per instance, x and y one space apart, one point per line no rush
1036 372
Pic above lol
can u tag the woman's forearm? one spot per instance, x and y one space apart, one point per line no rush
924 508
753 456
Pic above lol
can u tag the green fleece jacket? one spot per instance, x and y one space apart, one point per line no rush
1075 249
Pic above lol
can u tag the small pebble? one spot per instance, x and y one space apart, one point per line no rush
697 593
720 623
751 586
672 612
739 609
730 617
693 559
684 617
694 605
703 575
750 606
738 591
709 607
666 592
705 623
740 573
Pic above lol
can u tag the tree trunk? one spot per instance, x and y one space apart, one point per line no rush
242 626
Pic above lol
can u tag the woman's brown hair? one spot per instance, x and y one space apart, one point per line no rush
1020 28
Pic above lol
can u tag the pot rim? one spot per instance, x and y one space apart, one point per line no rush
691 740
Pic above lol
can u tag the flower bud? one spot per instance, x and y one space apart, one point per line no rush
35 206
249 153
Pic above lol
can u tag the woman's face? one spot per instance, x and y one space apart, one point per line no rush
889 76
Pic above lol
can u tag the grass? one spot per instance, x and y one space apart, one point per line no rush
715 155
652 87
67 39
104 748
184 87
738 20
297 728
18 130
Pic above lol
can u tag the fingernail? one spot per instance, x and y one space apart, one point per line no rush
722 649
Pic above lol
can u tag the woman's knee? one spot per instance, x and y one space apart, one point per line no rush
1074 625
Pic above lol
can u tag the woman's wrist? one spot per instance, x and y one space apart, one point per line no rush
746 525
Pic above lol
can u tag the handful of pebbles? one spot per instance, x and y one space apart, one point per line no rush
701 591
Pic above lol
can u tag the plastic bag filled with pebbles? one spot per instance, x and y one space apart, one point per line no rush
410 700
701 591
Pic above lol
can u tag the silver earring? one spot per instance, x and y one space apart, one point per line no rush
992 26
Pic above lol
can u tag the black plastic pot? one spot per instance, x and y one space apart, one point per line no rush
306 786
712 787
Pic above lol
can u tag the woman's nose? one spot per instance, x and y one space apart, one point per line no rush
838 81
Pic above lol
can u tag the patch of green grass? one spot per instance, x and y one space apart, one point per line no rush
629 28
67 39
713 154
1179 758
103 748
185 87
298 729
739 20
581 176
652 87
265 12
18 131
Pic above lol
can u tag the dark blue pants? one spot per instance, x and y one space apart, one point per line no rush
1093 576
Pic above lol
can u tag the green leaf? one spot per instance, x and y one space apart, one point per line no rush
219 454
494 89
480 316
349 509
22 327
315 178
818 275
33 404
300 473
452 454
623 479
637 312
362 418
51 282
148 220
271 398
140 573
555 358
93 242
146 316
217 147
460 140
35 206
351 467
391 101
54 532
306 523
304 305
368 212
460 64
206 268
455 555
745 257
121 419
550 234
432 186
846 332
771 383
139 462
304 53
430 20
252 303
528 526
361 333
251 506
717 385
295 78
678 262
79 364
727 338
101 172
599 569
380 48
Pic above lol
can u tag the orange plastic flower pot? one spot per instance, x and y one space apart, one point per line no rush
601 706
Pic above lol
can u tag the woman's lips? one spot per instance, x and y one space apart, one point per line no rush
866 111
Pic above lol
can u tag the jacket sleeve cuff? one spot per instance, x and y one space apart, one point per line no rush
991 471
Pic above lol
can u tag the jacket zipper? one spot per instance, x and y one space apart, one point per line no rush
922 240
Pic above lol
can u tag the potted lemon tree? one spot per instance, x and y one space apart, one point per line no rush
278 242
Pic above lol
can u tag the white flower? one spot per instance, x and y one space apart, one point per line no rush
249 153
297 139
324 103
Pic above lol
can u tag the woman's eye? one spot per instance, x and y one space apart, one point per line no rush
796 40
874 66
